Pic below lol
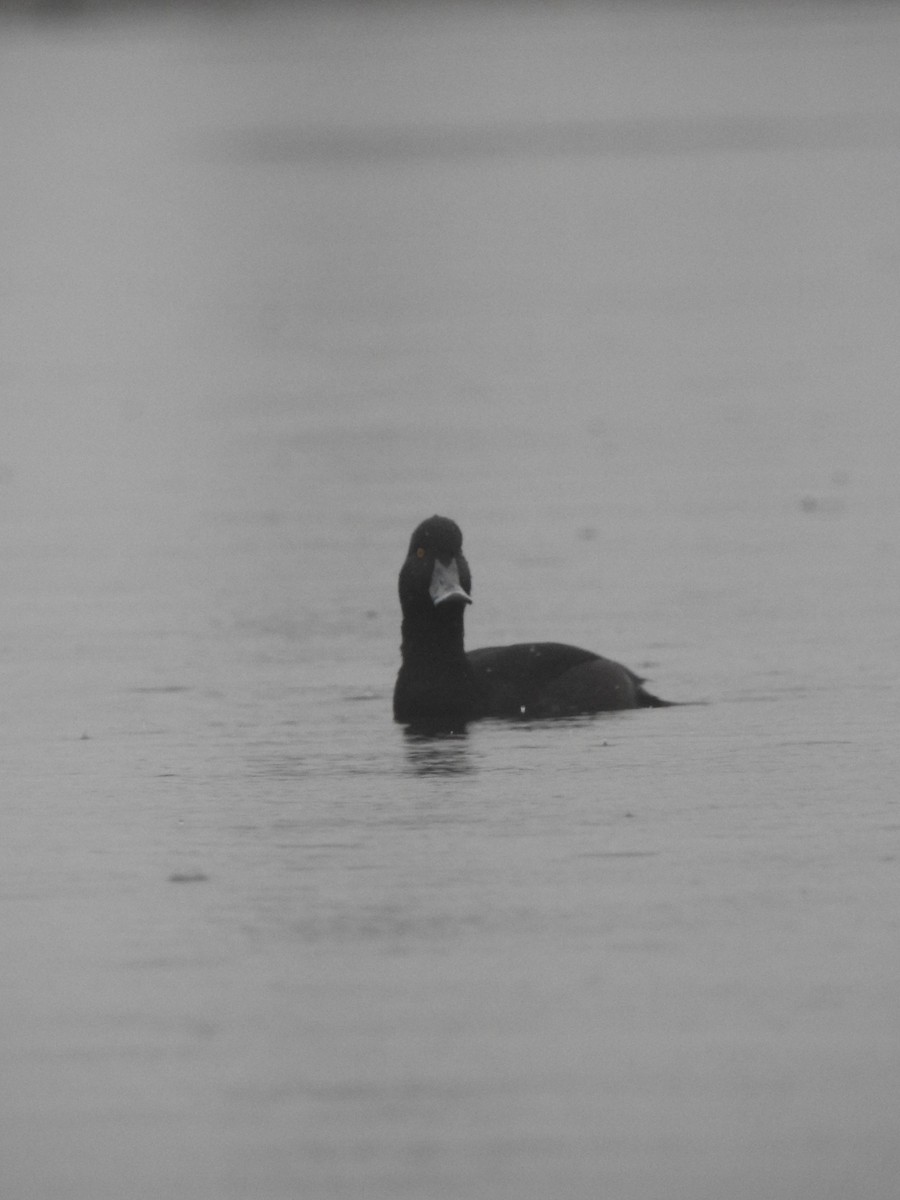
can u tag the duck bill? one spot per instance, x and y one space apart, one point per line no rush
445 584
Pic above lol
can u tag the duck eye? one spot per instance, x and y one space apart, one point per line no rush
420 553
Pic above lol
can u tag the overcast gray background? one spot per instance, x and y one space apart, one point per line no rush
614 286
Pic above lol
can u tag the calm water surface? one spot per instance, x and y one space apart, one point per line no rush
617 289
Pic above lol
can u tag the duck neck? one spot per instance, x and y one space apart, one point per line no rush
435 635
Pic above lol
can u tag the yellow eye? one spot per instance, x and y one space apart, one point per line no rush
420 553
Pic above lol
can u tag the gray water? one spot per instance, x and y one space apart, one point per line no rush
617 288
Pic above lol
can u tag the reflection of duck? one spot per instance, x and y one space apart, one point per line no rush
439 681
434 748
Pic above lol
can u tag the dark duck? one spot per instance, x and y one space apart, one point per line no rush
439 682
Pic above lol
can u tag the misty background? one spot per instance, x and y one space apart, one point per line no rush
615 287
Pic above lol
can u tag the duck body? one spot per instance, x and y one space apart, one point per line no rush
440 682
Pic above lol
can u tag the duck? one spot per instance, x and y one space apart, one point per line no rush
439 682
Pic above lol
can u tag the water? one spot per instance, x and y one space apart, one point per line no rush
616 288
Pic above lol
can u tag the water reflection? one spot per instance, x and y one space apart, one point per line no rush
433 749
